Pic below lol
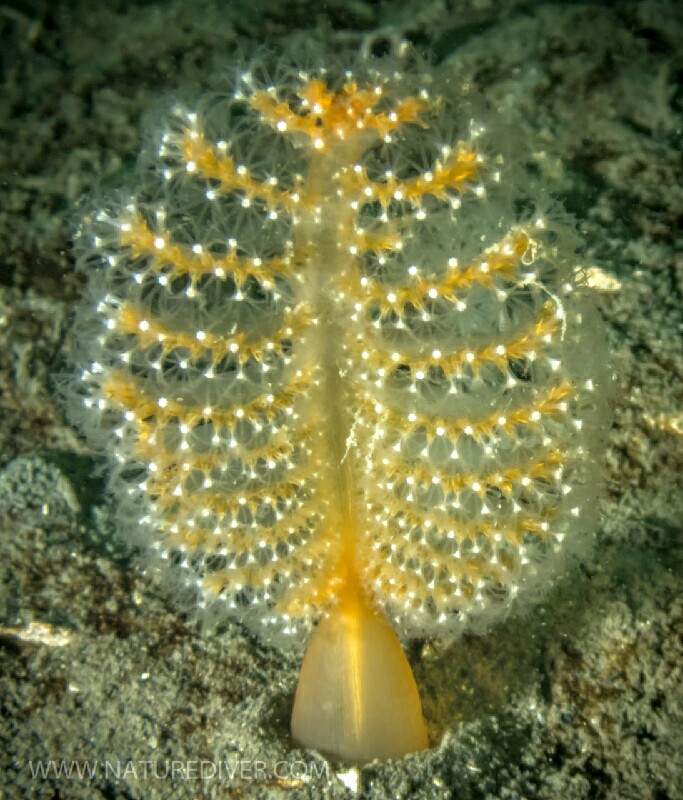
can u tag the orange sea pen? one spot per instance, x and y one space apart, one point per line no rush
344 376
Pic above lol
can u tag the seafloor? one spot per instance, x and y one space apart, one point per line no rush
578 697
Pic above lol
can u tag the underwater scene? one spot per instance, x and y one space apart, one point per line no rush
341 387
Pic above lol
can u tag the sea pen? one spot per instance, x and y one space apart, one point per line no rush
343 363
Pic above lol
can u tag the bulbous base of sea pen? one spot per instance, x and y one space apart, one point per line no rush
356 699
